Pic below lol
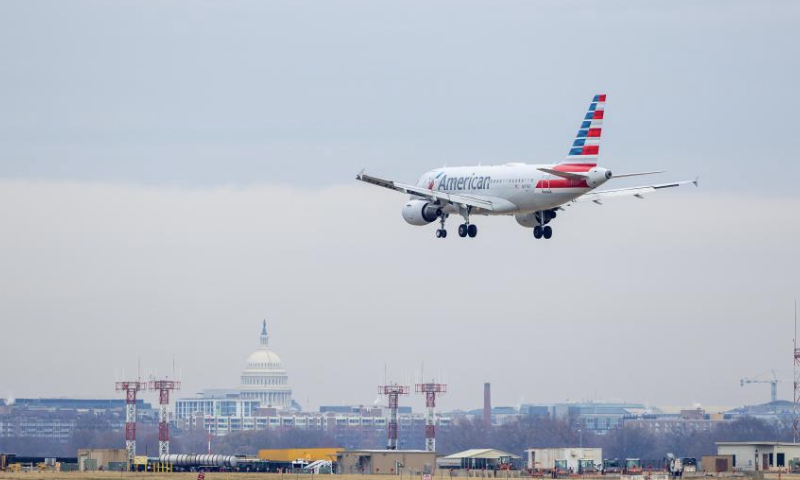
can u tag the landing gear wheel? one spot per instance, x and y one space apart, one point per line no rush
537 232
463 230
548 232
472 230
441 233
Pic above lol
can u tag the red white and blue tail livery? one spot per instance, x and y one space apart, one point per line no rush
586 146
532 193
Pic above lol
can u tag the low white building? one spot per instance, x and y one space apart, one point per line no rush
761 456
544 459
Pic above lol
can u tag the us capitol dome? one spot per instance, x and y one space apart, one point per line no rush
264 377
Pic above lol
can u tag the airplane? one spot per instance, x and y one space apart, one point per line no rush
533 194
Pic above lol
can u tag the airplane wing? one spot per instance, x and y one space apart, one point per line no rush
638 192
433 195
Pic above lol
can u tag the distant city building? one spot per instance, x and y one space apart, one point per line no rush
264 384
603 417
57 419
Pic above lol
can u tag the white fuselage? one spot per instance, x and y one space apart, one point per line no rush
512 188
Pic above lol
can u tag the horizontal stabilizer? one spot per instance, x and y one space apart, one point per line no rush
637 174
638 192
567 175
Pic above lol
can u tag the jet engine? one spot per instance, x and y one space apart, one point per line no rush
420 212
598 176
530 220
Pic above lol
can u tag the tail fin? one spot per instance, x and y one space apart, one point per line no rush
586 146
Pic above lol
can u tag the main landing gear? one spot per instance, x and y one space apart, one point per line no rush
539 232
545 231
467 229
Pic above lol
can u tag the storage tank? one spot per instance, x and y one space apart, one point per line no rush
188 460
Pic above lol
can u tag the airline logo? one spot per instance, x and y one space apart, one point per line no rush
433 180
463 183
587 140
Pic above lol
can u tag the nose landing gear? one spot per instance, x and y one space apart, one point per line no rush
441 232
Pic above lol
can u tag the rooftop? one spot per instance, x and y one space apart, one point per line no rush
482 453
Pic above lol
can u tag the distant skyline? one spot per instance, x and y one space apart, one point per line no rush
184 170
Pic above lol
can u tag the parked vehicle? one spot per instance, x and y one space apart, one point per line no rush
633 466
611 466
560 469
586 466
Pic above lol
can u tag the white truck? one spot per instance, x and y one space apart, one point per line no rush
571 460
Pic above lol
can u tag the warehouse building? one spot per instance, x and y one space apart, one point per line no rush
759 456
92 459
289 455
386 462
481 459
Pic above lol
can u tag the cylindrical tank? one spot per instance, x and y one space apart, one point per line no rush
185 460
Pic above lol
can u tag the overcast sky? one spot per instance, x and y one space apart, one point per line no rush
171 173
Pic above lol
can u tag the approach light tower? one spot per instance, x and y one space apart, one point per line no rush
796 404
163 387
430 390
392 391
131 388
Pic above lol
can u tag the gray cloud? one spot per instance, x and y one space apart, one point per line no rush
625 295
241 92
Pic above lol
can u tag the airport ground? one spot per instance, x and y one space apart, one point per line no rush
274 476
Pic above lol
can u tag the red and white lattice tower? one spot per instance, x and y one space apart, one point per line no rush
430 390
163 387
795 420
393 392
131 388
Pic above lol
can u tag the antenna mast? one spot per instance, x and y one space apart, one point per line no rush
795 420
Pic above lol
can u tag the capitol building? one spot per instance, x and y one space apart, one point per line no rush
263 390
264 378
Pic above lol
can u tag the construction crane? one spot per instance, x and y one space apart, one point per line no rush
773 385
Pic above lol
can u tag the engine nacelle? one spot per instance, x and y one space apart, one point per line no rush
530 220
598 176
420 212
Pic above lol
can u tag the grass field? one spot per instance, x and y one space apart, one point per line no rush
269 476
208 476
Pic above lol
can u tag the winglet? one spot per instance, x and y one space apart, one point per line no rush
696 181
360 174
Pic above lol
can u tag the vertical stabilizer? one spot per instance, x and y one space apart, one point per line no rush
586 146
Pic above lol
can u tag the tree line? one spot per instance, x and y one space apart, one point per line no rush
630 441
